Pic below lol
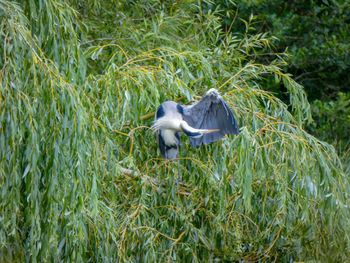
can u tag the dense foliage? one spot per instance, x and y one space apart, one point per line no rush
332 122
80 176
315 35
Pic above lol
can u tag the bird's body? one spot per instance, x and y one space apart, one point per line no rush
168 129
205 121
169 137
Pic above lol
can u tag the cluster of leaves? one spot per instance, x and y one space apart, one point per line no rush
332 122
80 178
315 34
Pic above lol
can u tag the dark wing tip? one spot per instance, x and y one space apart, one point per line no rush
231 122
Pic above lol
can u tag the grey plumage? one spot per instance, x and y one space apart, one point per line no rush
210 112
205 121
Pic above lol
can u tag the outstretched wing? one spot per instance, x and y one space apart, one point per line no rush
210 112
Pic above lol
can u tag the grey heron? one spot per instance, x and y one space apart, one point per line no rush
205 121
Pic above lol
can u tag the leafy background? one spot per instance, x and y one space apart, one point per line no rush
80 174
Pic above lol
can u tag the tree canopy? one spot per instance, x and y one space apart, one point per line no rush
80 174
314 35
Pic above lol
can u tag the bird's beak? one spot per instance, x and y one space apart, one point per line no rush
210 130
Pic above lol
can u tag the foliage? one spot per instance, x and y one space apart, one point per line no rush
78 83
332 123
314 32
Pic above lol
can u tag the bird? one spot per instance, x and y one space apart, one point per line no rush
204 122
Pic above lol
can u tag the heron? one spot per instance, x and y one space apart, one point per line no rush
205 121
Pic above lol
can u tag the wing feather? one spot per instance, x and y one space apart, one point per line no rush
210 112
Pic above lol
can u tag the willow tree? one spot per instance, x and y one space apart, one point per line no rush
81 179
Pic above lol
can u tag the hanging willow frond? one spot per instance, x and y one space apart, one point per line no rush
74 133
